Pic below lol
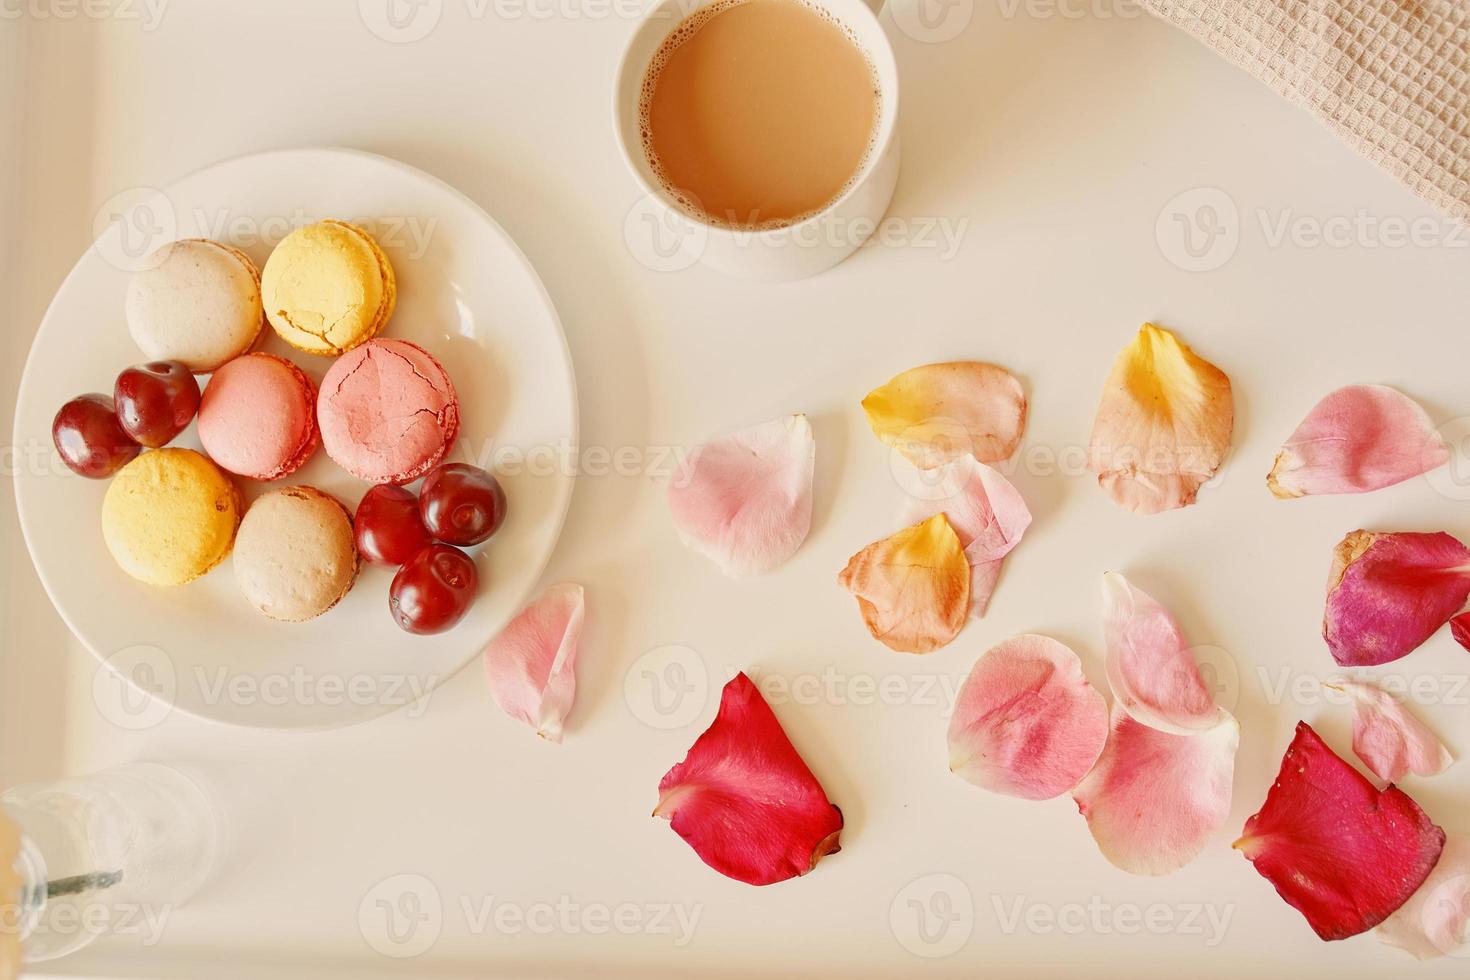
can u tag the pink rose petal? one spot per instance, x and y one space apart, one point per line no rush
987 513
1390 740
1388 592
531 665
744 799
1150 669
1027 723
1358 438
1435 922
746 501
1154 799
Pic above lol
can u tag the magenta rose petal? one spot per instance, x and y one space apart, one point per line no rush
1388 592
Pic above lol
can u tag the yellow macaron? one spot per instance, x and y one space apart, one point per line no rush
170 516
327 288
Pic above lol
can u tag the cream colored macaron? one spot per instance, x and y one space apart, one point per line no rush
328 287
197 302
295 556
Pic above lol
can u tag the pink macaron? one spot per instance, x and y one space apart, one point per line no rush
257 417
388 411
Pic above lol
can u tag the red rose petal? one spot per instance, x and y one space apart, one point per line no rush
744 799
1337 849
1388 592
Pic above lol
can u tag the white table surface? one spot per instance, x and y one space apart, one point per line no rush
1056 138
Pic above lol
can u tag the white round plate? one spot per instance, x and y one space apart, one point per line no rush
465 293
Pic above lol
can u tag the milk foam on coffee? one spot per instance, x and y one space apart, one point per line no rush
758 113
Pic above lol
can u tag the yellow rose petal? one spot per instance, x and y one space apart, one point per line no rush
1163 425
913 588
939 412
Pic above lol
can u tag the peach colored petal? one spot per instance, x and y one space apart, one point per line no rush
531 666
1435 921
1163 425
10 897
1150 669
913 588
1155 799
744 799
1358 438
938 412
1390 740
987 513
1027 723
1388 592
746 500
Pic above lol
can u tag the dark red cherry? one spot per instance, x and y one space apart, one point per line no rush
89 438
388 527
433 590
156 401
461 504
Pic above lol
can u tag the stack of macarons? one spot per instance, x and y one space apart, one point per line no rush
386 412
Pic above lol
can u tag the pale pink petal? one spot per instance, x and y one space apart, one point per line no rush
1155 799
1390 740
1150 669
531 665
1358 438
1027 723
745 501
1388 592
1435 921
984 509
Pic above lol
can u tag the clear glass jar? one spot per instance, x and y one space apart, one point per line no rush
114 852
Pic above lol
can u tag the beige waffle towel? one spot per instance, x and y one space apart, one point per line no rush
1391 77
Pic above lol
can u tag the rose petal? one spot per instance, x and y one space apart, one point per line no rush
1358 438
1163 425
10 897
1026 722
1390 740
1435 921
744 799
1460 629
1388 592
987 513
913 588
531 665
936 413
746 500
1154 799
1150 669
1337 849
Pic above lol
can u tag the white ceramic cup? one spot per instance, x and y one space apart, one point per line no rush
663 236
